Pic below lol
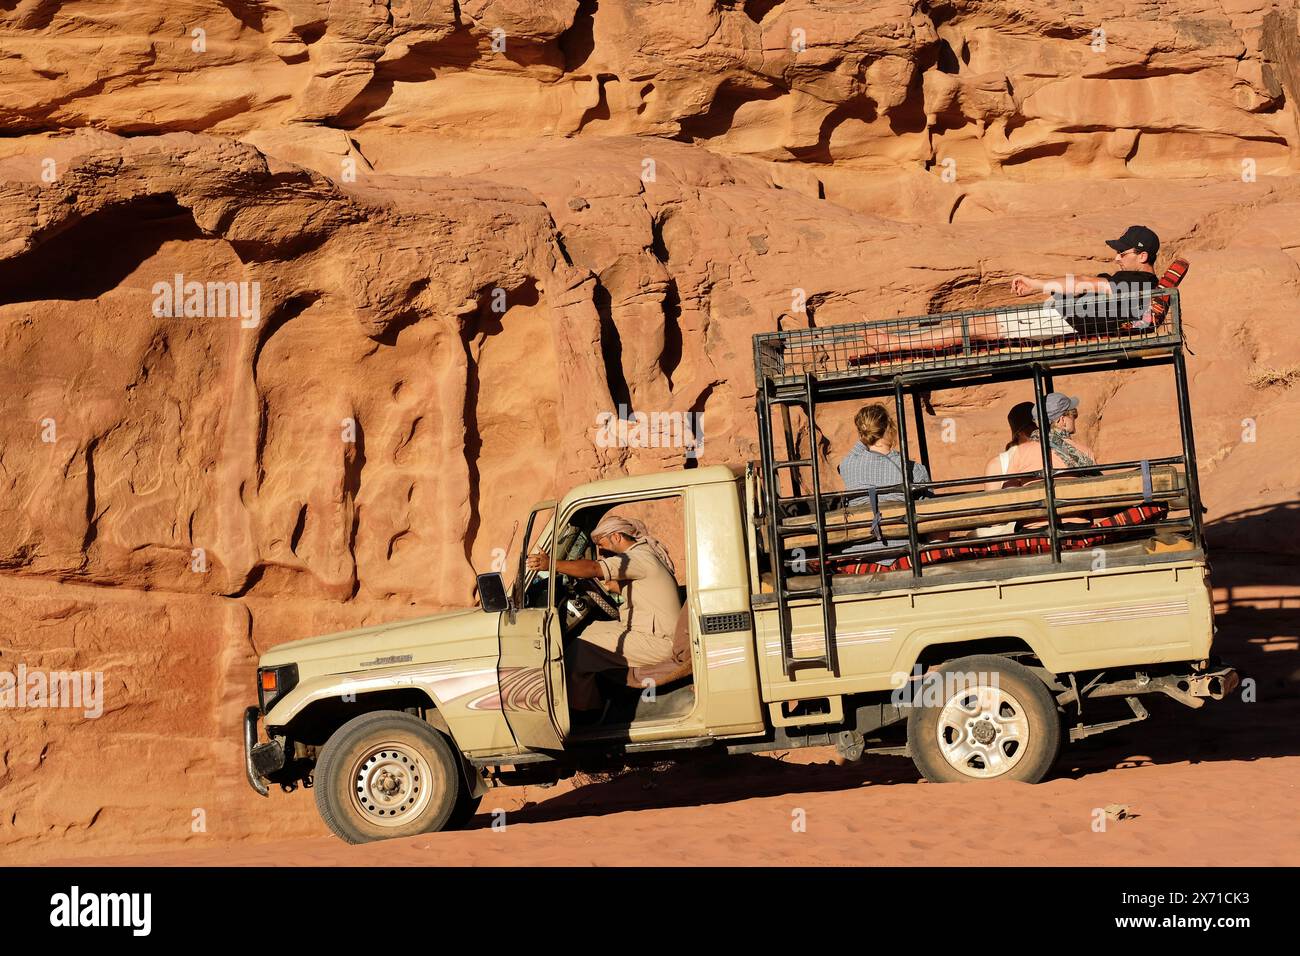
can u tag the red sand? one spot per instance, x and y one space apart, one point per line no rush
1212 813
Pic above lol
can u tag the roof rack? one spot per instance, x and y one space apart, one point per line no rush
1087 329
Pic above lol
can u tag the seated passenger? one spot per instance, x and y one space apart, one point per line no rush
1067 450
1021 420
874 462
643 634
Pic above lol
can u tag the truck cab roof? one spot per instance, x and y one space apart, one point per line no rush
639 484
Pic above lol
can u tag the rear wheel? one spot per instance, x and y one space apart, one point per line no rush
466 807
388 774
984 718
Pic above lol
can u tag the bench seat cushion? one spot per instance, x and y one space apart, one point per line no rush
1039 544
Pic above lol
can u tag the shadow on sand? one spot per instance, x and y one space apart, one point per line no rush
704 781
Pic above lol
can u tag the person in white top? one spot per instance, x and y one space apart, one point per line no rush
1021 421
1027 453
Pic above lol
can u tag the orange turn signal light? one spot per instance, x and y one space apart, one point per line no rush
268 680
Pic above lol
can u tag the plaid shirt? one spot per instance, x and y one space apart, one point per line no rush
863 468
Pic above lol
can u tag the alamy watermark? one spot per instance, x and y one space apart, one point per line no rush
626 429
75 908
208 300
1088 303
79 690
937 689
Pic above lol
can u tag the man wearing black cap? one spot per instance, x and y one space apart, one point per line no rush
1135 254
1101 304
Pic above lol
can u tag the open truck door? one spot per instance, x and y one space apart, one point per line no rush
530 668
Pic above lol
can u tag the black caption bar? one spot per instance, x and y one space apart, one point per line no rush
272 907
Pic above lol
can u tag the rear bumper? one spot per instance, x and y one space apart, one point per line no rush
1191 688
261 760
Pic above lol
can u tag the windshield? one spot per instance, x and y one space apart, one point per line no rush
574 544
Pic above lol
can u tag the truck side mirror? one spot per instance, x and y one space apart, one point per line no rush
492 592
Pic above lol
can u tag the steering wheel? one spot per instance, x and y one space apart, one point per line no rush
595 592
586 599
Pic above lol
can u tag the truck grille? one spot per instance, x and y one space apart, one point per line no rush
724 623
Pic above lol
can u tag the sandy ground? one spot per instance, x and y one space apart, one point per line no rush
874 813
1217 786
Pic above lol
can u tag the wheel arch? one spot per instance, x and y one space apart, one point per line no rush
319 719
935 649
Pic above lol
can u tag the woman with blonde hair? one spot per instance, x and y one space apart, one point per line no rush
875 462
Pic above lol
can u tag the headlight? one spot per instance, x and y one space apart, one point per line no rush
274 682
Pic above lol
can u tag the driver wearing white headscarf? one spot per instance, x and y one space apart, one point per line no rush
643 633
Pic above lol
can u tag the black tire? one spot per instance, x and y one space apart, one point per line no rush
466 807
387 774
1015 724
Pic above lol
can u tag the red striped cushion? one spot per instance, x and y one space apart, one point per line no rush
1041 544
1160 304
1174 274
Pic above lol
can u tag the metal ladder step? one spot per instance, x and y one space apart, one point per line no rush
803 593
821 662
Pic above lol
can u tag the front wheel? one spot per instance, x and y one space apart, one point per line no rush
388 774
983 718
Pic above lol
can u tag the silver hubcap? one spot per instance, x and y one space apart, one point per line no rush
983 731
391 783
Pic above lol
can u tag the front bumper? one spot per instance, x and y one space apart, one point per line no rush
261 760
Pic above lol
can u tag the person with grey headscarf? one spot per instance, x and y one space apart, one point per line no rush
1067 450
643 633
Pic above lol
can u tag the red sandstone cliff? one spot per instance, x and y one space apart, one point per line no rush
642 186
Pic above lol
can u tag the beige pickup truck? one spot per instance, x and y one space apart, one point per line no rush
979 665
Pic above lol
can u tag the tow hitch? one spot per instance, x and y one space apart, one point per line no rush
1191 689
1215 685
